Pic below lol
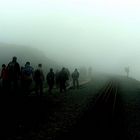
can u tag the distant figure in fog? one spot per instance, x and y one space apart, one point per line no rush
63 77
75 77
50 79
27 76
14 73
127 70
4 77
39 79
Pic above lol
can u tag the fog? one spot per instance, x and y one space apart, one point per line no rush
104 34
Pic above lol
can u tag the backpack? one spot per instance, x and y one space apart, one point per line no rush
27 71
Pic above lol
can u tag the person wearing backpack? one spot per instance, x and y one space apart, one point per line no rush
39 79
27 76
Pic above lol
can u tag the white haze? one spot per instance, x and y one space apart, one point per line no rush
104 34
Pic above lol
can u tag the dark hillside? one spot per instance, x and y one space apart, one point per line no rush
24 54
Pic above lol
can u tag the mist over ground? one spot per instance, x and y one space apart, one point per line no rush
103 34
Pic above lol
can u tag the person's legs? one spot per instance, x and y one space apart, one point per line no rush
77 83
73 83
36 88
61 86
64 85
4 86
27 86
51 87
15 85
41 88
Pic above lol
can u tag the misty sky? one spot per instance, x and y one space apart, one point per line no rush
102 33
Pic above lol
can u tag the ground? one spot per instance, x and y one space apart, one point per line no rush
130 91
54 115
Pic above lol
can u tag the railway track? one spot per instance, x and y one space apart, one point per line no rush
103 118
105 113
106 100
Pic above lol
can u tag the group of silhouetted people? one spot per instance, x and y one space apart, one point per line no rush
13 74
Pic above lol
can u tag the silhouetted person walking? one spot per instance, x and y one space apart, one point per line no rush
39 79
27 76
63 77
127 70
50 79
75 77
14 73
